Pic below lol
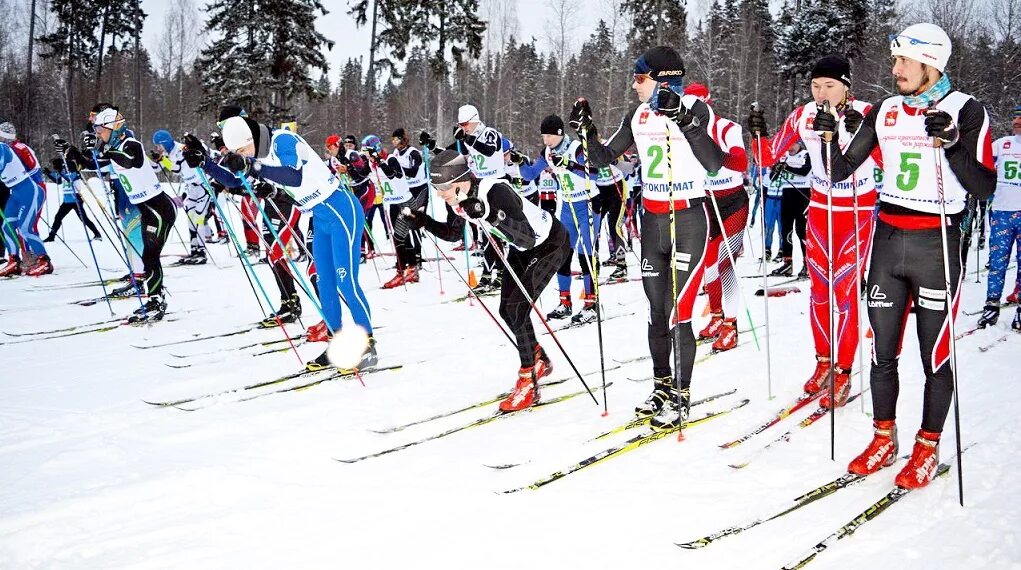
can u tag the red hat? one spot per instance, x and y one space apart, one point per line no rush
698 90
333 140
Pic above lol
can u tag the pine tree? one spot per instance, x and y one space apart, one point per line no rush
659 22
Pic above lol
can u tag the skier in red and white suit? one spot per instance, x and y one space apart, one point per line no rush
831 81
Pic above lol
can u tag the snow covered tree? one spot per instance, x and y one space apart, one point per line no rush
264 55
659 22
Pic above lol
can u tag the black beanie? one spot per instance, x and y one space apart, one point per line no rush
663 64
833 67
228 111
449 166
399 134
552 125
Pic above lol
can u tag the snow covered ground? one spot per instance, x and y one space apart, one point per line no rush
93 477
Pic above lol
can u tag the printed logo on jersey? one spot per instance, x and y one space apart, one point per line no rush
931 305
878 299
644 117
341 273
891 117
810 121
648 270
1006 145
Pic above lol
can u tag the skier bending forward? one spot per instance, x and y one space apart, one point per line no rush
539 246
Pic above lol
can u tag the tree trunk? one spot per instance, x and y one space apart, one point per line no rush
370 77
102 47
28 80
138 65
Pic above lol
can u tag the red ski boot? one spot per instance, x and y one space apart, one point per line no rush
397 281
921 468
820 377
1012 299
543 364
841 389
318 333
41 266
11 268
411 274
525 394
881 452
728 336
712 330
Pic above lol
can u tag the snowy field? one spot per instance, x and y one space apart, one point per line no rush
93 477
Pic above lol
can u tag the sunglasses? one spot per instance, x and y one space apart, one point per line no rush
897 40
642 78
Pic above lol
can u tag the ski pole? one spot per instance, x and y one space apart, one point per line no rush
521 287
49 227
950 307
675 316
831 293
386 218
733 263
88 238
760 187
432 213
593 267
247 264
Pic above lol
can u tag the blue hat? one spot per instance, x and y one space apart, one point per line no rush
507 145
164 139
373 142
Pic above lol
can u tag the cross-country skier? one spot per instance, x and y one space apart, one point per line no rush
126 157
195 199
70 199
671 133
23 208
392 183
1005 224
284 158
831 86
413 164
565 158
538 246
935 147
482 146
726 189
792 172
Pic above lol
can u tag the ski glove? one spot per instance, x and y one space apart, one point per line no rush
88 142
581 116
668 104
236 163
265 190
155 156
426 140
194 152
459 133
940 125
473 208
852 120
415 218
824 122
61 145
517 158
756 122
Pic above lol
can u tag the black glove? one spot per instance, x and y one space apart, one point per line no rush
756 122
824 122
194 152
668 104
88 142
415 218
516 157
264 190
343 159
236 163
596 203
473 208
459 133
426 140
852 120
581 116
558 160
155 156
775 172
61 146
939 124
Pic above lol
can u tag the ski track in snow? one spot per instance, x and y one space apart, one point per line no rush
93 477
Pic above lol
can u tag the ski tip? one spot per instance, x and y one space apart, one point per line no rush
738 465
694 545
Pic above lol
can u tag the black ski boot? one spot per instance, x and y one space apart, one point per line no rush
289 312
672 416
1016 324
154 310
654 403
786 269
990 314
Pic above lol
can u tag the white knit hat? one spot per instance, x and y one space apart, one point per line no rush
925 43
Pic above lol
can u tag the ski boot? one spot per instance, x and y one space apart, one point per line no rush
543 365
321 362
396 281
587 314
881 451
786 268
712 330
41 266
661 391
841 389
50 238
803 274
525 394
197 257
1014 297
728 336
252 250
619 274
411 274
671 416
126 290
290 310
369 359
921 467
318 333
819 378
990 314
1016 323
563 310
153 310
11 268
